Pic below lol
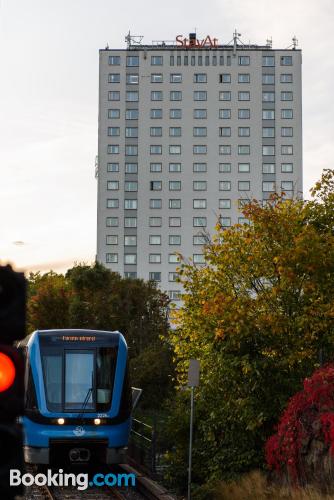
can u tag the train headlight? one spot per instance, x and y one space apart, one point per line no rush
61 421
97 421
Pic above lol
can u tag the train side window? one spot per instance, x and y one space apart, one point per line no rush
30 395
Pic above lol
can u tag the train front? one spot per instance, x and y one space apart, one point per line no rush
78 397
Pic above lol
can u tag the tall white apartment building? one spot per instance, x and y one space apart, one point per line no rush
188 130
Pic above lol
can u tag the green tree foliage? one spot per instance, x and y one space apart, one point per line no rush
258 316
93 297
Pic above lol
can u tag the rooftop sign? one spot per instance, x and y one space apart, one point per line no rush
193 42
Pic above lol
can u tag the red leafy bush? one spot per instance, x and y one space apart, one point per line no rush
305 433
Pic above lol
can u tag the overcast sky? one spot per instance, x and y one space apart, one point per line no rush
49 103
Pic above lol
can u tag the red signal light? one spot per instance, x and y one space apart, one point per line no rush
7 372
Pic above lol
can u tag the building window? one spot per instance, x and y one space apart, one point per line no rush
131 132
155 167
199 221
113 95
287 186
225 204
114 60
155 240
112 167
114 78
174 185
155 221
111 258
156 149
156 60
268 187
286 149
156 95
268 131
175 113
200 113
175 95
268 168
175 131
113 149
243 149
175 167
199 203
112 221
244 186
130 241
268 114
156 113
111 239
224 149
112 185
243 114
132 61
286 96
268 150
286 131
174 203
131 168
225 221
155 185
155 203
114 113
130 204
224 168
130 275
199 240
174 221
244 60
225 114
156 78
224 131
268 96
132 78
243 78
112 203
199 167
243 96
132 96
131 150
199 185
268 79
130 258
155 131
131 114
176 78
243 131
199 131
174 239
172 276
225 95
243 167
199 149
225 78
286 78
154 258
200 78
200 95
113 131
286 60
198 258
287 114
130 221
174 149
130 186
155 276
173 258
224 185
287 168
268 61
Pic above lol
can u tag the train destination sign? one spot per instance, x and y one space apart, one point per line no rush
193 42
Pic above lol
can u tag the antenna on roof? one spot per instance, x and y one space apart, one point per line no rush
269 43
133 39
294 42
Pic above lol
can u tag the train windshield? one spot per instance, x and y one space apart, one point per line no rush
79 380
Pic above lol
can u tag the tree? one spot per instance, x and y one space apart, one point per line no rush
257 315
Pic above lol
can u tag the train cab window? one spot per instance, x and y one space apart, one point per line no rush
79 376
105 375
53 380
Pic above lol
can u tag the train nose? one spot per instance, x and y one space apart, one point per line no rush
79 455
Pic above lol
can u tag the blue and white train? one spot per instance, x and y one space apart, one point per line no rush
78 399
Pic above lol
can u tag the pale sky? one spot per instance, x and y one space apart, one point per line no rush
49 103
